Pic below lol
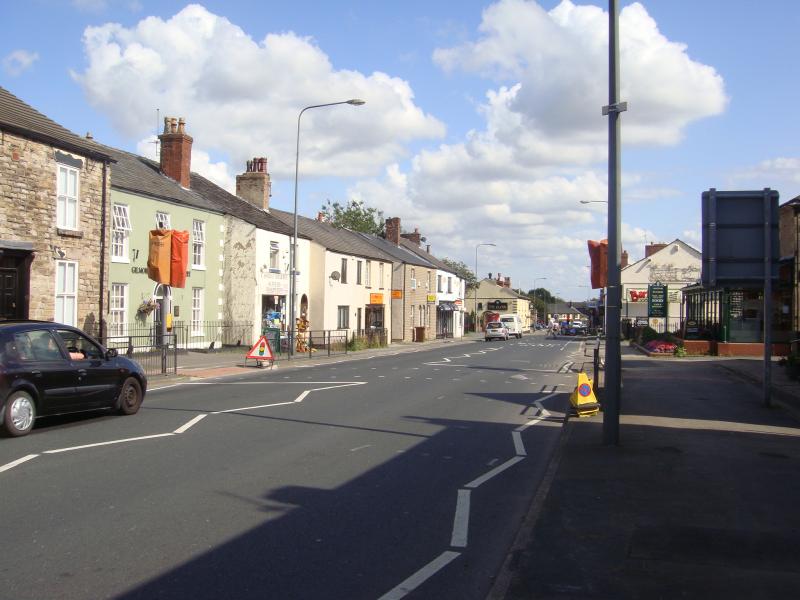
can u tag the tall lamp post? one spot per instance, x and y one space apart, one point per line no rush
293 252
477 280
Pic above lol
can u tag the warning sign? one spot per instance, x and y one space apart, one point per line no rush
583 398
261 350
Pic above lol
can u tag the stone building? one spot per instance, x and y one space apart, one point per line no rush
54 211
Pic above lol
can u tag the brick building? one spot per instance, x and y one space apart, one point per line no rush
54 210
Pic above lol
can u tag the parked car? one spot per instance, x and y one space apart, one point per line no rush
51 369
513 323
496 329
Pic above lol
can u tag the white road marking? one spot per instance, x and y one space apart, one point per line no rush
134 439
461 520
421 576
302 396
519 447
360 448
496 471
244 408
191 423
518 377
19 461
543 412
493 462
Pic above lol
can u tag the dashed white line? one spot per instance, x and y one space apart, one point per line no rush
191 423
496 471
133 439
519 447
360 448
19 461
461 520
421 576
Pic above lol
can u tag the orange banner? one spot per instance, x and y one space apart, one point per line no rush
598 254
179 261
158 257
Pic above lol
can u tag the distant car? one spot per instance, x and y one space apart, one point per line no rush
51 369
574 328
494 330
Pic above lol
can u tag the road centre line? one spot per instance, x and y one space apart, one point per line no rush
409 585
461 520
191 423
122 441
17 462
496 471
244 408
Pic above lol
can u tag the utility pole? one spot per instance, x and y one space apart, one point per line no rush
613 380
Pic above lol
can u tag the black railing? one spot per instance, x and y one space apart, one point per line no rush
159 358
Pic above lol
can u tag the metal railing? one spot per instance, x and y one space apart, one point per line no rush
159 358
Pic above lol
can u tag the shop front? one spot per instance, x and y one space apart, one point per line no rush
445 316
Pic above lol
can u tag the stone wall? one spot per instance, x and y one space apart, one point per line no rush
28 214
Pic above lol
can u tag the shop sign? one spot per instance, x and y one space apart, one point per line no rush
376 298
458 302
657 300
397 294
496 305
637 295
276 284
431 298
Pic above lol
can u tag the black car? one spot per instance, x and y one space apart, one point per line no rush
51 369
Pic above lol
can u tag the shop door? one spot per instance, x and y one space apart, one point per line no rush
10 307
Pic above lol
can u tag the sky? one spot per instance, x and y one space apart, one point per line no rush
482 120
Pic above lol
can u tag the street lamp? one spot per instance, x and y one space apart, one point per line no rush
477 280
293 248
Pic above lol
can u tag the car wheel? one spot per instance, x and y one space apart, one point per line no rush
130 398
19 414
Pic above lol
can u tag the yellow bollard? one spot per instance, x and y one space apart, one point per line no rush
583 398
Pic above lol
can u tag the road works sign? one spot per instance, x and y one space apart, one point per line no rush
261 350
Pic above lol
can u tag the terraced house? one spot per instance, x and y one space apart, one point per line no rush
54 210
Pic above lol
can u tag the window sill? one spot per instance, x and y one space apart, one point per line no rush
73 233
116 259
278 271
198 267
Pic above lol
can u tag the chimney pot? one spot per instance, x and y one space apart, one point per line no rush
254 185
176 151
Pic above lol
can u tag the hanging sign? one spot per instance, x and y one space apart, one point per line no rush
657 300
261 350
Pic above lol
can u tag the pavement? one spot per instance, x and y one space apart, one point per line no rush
698 500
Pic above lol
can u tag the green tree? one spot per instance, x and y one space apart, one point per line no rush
462 270
354 216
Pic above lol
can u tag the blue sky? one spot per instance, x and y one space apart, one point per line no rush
482 121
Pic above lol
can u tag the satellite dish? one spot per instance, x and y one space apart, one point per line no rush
335 275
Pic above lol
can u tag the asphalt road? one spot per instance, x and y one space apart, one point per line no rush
395 476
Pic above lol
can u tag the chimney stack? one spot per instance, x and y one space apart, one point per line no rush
254 185
653 248
393 230
413 237
321 217
176 151
624 259
507 282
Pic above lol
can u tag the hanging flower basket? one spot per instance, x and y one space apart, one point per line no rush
146 307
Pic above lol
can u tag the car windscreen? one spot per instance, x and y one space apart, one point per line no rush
494 325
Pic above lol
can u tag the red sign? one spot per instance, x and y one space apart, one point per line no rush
261 350
638 295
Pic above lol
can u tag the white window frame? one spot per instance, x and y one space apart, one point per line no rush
380 276
118 310
63 293
120 234
343 277
162 220
198 244
368 274
439 284
343 311
358 272
65 199
275 257
449 285
196 324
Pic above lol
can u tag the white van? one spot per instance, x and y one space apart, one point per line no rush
513 323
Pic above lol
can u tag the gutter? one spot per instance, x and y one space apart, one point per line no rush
104 203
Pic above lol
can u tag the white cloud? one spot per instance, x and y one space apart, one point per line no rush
518 181
241 97
19 61
782 174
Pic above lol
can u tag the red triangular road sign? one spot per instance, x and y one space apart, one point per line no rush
261 350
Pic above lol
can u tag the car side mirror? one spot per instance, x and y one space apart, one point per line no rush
111 353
